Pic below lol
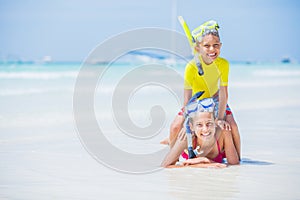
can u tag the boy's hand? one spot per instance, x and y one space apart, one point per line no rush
223 125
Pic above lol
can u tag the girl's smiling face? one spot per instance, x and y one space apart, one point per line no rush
203 125
209 48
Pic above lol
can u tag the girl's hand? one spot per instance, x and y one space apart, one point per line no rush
223 125
202 162
197 160
210 165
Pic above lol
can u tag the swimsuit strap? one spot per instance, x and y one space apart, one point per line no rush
218 145
220 156
195 142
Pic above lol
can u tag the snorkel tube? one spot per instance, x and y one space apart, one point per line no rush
192 43
191 151
189 139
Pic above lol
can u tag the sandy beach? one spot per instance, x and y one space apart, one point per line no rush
42 156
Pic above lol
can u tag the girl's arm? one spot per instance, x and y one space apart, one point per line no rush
201 165
176 150
209 165
223 96
230 150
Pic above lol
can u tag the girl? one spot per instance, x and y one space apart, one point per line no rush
212 140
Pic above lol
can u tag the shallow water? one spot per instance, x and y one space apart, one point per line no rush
42 156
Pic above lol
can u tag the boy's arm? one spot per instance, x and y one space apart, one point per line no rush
223 96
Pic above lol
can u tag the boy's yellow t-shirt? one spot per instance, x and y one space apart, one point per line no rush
215 75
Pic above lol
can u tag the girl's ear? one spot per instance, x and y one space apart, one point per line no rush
216 122
191 127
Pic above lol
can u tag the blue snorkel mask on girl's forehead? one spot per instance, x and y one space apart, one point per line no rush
203 105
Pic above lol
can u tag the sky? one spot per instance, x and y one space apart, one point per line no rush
250 30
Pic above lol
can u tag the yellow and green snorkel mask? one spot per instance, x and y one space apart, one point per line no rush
209 27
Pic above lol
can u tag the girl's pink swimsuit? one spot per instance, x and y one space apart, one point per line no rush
218 158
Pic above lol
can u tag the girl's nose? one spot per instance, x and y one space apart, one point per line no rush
205 128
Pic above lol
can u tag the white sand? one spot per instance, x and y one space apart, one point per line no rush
41 156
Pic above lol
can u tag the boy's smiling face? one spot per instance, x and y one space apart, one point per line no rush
209 48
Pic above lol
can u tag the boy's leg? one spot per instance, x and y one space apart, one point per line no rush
235 134
165 141
175 128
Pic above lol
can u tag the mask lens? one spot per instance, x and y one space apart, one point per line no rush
192 107
207 104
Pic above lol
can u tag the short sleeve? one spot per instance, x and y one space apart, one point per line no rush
189 75
224 68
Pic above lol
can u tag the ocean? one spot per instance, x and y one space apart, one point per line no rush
49 148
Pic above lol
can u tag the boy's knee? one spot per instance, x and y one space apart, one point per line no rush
175 127
234 125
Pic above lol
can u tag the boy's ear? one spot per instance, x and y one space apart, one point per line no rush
197 48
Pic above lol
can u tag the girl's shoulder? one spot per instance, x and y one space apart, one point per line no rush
221 137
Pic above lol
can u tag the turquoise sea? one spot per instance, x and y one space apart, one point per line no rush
43 156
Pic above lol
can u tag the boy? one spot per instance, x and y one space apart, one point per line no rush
213 82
